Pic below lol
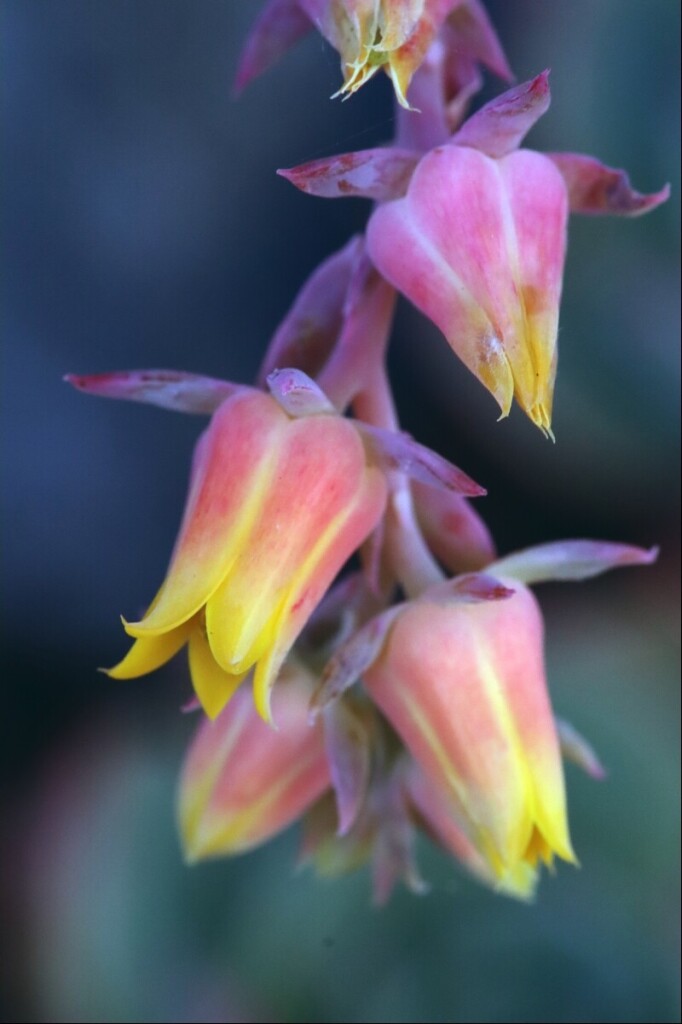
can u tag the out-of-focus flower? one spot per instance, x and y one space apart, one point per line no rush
474 233
372 34
243 782
276 506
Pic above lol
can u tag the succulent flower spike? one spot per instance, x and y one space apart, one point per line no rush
276 506
372 34
243 782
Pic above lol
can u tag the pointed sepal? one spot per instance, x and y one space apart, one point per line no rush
378 174
396 450
570 560
169 389
500 126
279 26
595 188
575 748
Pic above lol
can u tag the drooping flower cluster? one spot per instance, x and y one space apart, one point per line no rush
411 693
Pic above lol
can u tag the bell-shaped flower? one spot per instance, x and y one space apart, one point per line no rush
459 674
242 782
283 491
464 686
276 505
478 244
473 232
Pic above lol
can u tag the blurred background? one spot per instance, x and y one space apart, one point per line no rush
144 227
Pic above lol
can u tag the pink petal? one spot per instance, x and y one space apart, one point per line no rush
307 333
280 24
595 188
378 174
399 451
499 127
570 560
169 389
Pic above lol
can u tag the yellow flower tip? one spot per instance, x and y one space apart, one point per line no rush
539 414
520 882
262 695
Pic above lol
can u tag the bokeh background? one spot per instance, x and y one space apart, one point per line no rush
144 226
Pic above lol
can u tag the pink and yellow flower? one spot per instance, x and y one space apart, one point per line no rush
463 684
473 232
276 506
243 782
479 244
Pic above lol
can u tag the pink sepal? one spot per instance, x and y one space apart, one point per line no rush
297 394
475 38
570 560
352 658
378 174
393 856
169 389
499 127
595 188
347 741
280 24
576 748
395 450
471 588
307 333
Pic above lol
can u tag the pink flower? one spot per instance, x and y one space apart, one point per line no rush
276 506
463 684
283 491
473 232
243 782
459 674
